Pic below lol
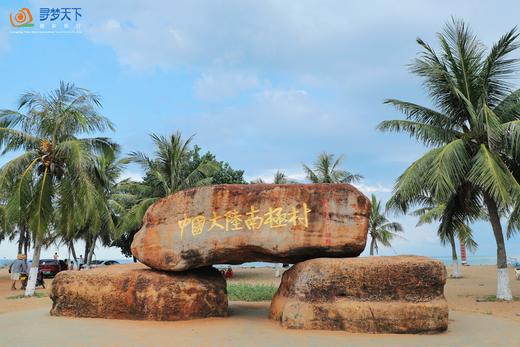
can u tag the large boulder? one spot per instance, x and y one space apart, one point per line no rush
232 224
136 292
402 294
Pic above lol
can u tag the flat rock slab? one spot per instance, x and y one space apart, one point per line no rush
137 292
233 224
402 294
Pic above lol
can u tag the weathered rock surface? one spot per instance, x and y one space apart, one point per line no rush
136 292
402 294
232 224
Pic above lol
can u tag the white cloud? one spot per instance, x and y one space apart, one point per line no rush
112 25
268 176
221 85
275 126
343 40
372 189
134 176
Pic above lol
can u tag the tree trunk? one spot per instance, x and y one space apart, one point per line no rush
455 270
372 246
73 250
26 241
21 241
503 288
463 253
278 270
33 272
91 250
68 259
87 248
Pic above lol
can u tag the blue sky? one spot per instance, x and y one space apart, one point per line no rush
265 85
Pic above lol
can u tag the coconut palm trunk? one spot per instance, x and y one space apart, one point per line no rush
455 271
503 287
91 250
21 241
33 272
27 241
373 246
73 251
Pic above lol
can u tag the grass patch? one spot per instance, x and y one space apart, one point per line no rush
493 298
250 292
22 296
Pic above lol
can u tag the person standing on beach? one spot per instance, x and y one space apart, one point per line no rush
80 262
18 267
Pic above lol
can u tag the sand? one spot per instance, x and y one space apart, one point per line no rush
472 323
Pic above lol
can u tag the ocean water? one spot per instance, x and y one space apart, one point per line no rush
472 260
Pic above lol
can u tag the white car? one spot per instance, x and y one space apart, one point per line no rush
100 263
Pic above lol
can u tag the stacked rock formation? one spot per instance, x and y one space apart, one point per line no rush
233 224
401 294
136 292
320 227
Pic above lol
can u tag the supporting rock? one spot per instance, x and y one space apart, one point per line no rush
136 292
401 294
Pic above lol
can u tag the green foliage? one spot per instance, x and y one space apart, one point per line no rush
453 220
474 126
493 298
175 166
280 178
224 173
250 292
50 178
21 296
380 228
327 170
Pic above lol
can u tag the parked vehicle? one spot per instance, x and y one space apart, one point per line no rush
51 267
100 263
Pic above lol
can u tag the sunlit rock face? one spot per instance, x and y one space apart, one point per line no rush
232 224
402 294
137 292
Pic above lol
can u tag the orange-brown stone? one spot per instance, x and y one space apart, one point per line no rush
402 294
232 224
137 292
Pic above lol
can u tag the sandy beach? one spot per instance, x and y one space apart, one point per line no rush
472 323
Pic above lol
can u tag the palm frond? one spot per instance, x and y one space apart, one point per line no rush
491 174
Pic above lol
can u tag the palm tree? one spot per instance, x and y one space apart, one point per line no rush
128 194
280 178
52 171
474 128
327 170
380 228
102 222
167 173
12 227
452 226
